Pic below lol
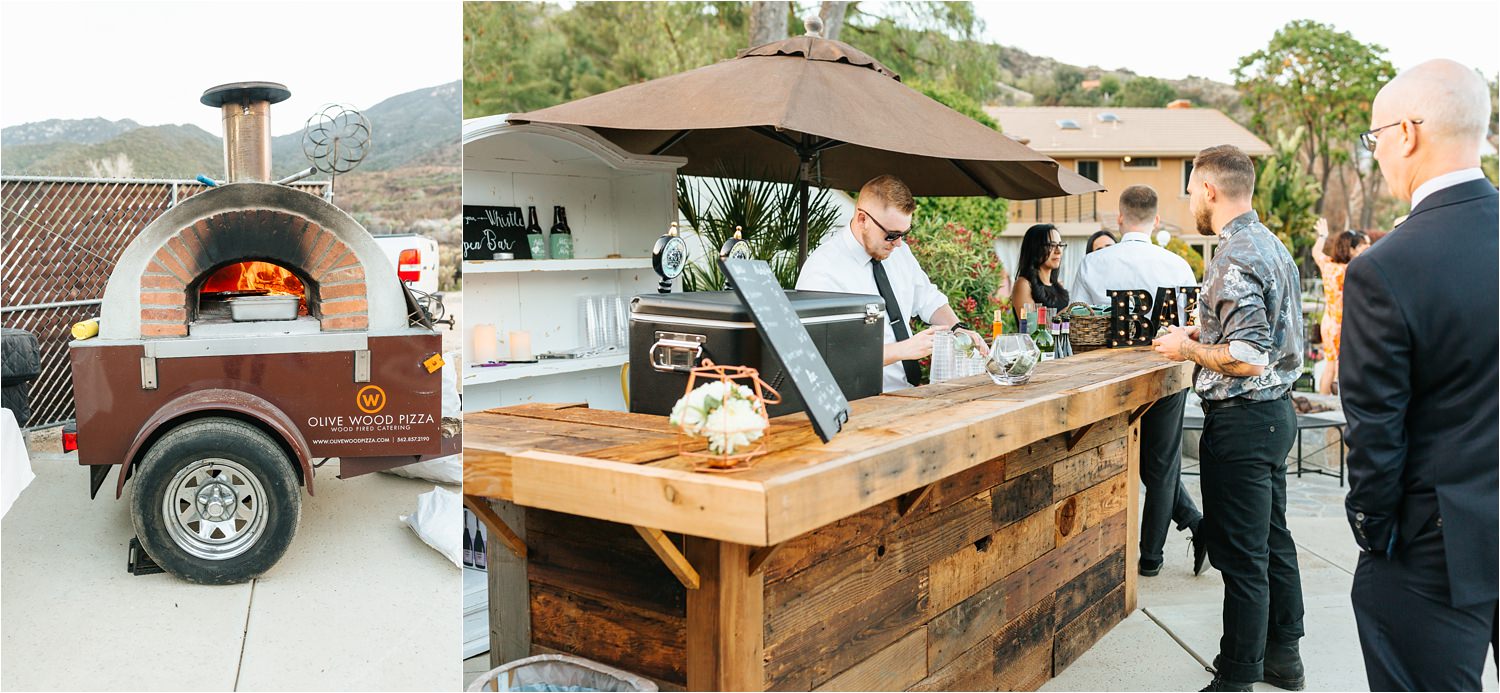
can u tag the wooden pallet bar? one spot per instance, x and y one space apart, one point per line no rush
955 536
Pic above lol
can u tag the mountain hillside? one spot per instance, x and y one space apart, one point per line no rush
418 128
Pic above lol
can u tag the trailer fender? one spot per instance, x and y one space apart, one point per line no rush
243 404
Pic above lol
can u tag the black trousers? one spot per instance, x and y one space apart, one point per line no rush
1244 451
1412 638
1167 499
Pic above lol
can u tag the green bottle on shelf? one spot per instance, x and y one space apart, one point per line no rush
561 239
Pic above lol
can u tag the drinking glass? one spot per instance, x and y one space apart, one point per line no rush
942 356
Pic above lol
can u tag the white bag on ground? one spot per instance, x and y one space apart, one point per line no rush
558 672
437 522
443 470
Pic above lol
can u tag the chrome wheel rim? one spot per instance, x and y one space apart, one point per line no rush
215 509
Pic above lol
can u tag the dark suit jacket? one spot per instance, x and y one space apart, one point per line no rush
1418 381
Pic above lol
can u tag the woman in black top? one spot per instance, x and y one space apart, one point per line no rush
1100 240
1036 277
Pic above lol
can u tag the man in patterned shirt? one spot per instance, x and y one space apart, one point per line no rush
1248 349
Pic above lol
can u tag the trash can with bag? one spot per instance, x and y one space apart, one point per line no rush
559 672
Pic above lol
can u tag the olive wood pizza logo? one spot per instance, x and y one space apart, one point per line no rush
370 399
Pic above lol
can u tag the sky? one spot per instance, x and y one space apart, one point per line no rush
1206 38
150 61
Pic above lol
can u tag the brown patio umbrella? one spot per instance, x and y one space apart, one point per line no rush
819 109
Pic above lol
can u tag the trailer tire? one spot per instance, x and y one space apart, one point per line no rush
216 501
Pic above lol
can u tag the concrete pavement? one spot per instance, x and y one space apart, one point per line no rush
357 603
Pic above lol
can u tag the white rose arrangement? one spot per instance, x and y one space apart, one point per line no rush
729 415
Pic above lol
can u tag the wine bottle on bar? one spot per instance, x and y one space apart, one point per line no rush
997 327
1065 347
481 561
562 237
1057 346
1042 335
534 238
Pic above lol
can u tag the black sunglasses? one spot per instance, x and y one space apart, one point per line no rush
1369 139
890 236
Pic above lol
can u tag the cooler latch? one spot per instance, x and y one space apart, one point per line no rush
675 352
873 312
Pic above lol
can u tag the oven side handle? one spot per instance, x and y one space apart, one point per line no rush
240 405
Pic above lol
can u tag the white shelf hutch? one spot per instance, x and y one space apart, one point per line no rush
618 203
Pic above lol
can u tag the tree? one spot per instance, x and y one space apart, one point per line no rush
1317 78
768 21
1286 194
1109 86
1146 92
832 13
935 42
519 56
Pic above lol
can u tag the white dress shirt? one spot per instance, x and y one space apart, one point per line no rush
841 264
1447 180
1133 263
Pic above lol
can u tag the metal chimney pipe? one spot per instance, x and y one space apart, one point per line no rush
246 110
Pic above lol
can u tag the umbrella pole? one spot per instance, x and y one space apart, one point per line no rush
802 180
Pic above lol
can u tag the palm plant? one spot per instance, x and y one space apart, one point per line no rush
767 213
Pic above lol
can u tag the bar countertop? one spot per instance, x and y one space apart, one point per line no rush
626 468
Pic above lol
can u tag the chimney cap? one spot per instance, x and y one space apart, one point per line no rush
241 92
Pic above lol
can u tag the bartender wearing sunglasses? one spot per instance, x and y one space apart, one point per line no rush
871 257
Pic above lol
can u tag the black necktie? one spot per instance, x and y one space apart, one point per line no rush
898 323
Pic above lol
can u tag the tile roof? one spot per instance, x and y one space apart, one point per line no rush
1139 132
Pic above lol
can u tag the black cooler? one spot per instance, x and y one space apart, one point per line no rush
671 333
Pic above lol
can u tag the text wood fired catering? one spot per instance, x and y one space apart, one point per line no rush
246 333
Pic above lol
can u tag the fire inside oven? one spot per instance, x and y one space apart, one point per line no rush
252 290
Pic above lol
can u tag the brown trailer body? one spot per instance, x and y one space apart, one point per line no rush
315 403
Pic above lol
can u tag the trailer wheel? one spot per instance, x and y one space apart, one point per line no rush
215 501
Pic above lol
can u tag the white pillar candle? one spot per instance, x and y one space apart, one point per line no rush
485 343
520 346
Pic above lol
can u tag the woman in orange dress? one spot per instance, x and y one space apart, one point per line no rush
1345 246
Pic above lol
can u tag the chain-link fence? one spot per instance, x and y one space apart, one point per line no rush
61 237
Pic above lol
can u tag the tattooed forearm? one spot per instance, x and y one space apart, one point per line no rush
1217 358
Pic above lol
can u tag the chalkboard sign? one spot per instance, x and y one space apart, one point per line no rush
780 327
490 230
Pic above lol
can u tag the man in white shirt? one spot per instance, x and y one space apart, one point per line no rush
1136 263
870 257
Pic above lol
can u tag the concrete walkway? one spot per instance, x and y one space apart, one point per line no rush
1166 643
357 603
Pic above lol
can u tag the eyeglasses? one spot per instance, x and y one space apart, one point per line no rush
890 236
1369 139
1055 246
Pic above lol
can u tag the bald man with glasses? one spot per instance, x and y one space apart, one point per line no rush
870 257
1418 383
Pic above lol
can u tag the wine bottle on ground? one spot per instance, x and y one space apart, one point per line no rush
561 240
468 545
